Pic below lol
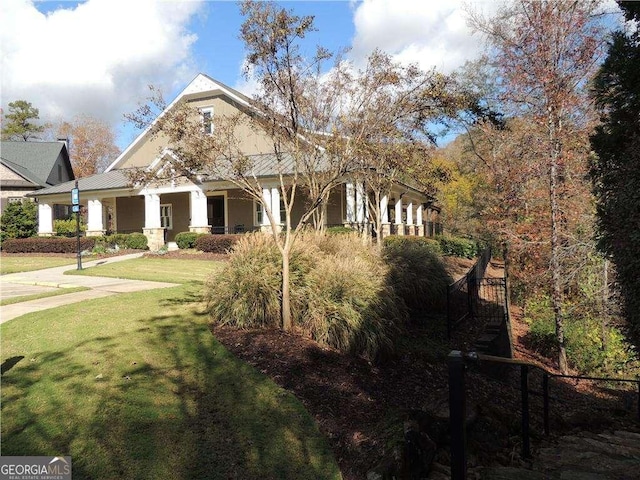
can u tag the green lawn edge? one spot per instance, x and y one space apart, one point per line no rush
38 296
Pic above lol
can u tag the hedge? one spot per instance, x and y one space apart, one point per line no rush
216 243
47 245
458 246
133 241
187 239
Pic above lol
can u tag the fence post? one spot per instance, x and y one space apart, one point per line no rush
545 397
457 415
524 391
449 326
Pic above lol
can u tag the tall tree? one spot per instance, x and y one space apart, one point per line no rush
544 52
92 144
616 171
19 121
310 116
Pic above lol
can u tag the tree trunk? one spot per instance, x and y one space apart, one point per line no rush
556 273
287 323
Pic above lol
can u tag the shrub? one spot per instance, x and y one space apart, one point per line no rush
186 240
417 272
47 245
67 227
134 241
583 338
458 246
339 229
216 243
19 220
339 294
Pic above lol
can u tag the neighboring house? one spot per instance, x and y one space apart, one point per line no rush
26 167
161 211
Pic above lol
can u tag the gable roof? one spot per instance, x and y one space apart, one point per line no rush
200 84
32 160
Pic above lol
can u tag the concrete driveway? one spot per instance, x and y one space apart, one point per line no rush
40 281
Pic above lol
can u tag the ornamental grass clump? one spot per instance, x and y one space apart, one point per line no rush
417 273
340 295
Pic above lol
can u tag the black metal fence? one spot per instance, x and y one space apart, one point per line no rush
458 364
465 296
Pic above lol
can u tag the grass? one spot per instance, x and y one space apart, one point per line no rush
29 263
134 386
38 296
154 269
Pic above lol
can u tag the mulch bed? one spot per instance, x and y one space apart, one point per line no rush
350 399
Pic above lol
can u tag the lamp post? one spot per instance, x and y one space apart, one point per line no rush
75 208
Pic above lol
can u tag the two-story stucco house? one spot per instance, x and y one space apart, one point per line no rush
212 205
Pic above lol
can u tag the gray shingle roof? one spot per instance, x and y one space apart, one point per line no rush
36 159
114 179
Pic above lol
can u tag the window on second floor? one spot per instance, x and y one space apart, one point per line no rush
207 120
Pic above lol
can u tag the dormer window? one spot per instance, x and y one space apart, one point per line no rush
207 120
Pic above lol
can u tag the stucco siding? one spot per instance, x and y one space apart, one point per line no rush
149 147
335 215
240 210
129 214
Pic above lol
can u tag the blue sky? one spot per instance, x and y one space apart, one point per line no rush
97 57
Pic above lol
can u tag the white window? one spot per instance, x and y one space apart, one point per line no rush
207 120
166 216
258 213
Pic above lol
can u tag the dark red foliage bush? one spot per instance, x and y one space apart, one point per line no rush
216 243
47 245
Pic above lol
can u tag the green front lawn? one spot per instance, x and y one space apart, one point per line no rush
134 386
29 263
154 269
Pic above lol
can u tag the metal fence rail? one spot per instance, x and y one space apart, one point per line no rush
459 363
464 296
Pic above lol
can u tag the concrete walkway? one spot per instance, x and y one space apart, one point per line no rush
40 281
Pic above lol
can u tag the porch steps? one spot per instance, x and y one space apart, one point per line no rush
171 246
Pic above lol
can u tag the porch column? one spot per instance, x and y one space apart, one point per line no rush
410 218
351 203
384 216
419 222
95 225
266 199
45 220
152 225
199 218
398 220
361 201
275 205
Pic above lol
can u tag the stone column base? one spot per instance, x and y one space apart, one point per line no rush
411 230
385 230
420 230
399 229
95 233
46 234
155 238
205 229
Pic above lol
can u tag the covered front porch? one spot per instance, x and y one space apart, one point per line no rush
220 208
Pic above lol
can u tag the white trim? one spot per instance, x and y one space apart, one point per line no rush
169 208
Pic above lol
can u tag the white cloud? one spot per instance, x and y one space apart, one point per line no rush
429 33
95 58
